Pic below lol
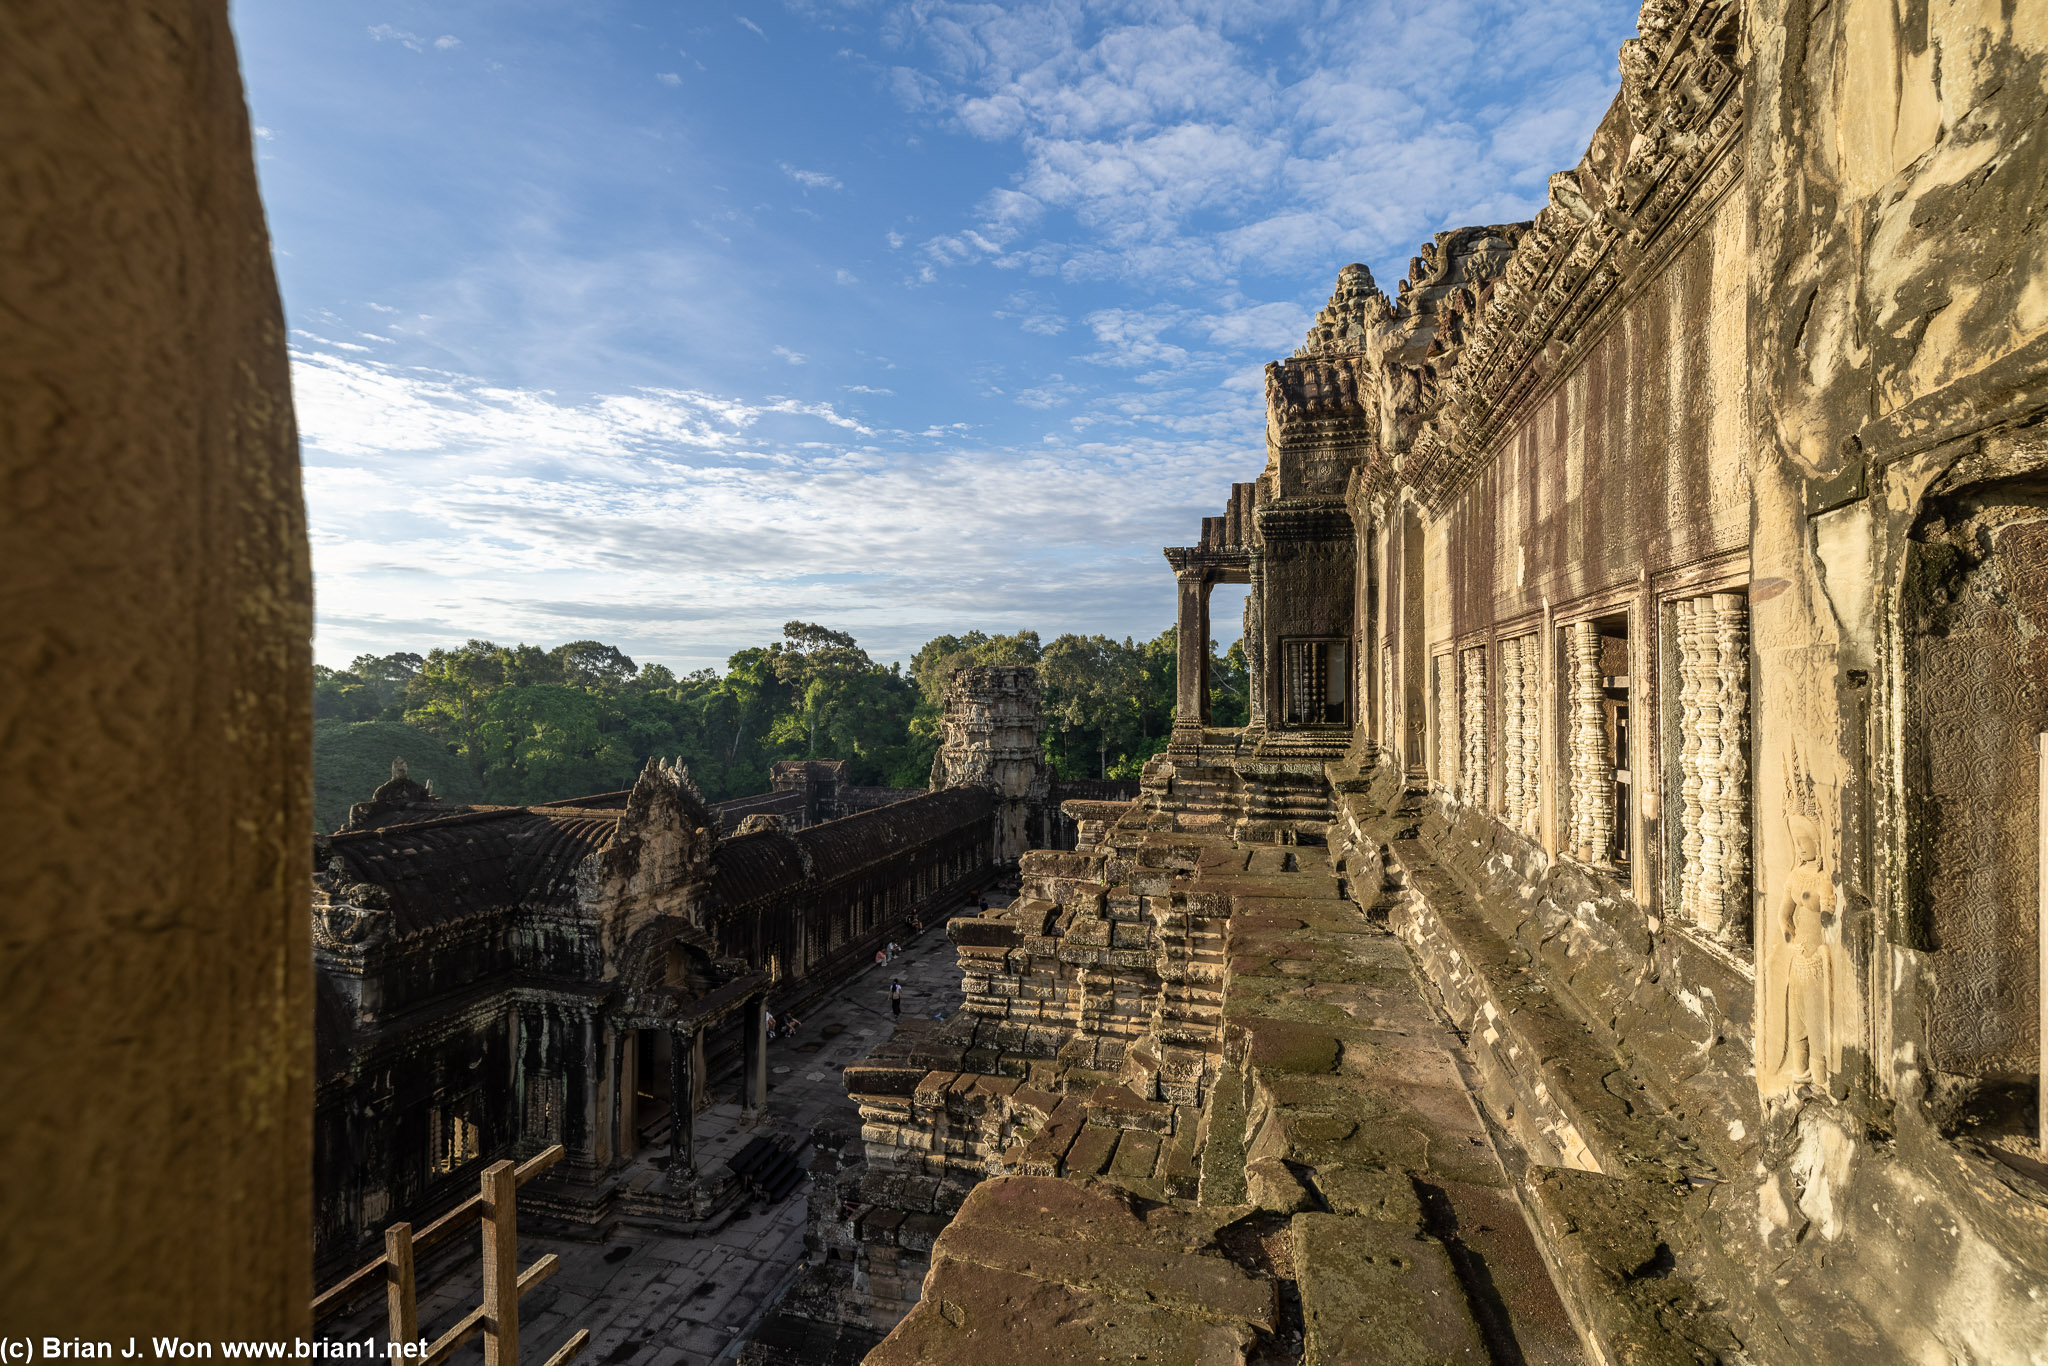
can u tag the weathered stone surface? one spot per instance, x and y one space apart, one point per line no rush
155 677
1373 1291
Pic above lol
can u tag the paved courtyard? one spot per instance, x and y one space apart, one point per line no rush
651 1298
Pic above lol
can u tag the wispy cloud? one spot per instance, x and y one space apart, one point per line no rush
747 23
810 180
793 357
445 508
668 77
386 33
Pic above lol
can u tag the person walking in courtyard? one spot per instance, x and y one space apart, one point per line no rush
896 999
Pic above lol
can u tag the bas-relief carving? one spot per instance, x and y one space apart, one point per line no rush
1801 1040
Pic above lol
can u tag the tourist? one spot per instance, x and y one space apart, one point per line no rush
881 958
894 949
896 999
771 1023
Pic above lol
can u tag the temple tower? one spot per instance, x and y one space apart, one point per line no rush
989 739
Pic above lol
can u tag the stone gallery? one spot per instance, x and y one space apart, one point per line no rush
1616 935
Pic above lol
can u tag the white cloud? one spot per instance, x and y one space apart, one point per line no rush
895 240
385 33
793 357
680 524
1189 142
810 180
864 389
668 78
846 277
750 24
1129 337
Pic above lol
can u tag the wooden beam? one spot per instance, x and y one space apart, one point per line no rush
401 1305
538 1272
571 1349
501 1265
449 1342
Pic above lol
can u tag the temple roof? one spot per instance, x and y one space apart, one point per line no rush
445 870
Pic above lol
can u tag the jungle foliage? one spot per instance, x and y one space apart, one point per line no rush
517 724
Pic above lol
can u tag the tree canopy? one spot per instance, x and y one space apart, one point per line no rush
517 723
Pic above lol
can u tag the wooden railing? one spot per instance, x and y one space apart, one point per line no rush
497 1318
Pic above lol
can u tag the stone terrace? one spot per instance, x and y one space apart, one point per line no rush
1198 1109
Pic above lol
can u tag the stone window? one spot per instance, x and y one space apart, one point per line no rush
1387 735
1706 771
1313 682
452 1135
1473 784
1519 731
543 1119
1446 686
1598 732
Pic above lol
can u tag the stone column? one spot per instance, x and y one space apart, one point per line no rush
1592 817
754 1030
1192 661
682 1115
1731 657
1255 648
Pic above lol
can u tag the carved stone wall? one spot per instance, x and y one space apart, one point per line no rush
1978 701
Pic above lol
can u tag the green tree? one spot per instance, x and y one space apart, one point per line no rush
449 694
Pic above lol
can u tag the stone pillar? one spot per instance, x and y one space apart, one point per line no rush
754 1032
1592 816
1255 647
156 676
682 1114
1192 661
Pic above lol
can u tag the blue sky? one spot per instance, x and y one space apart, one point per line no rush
665 324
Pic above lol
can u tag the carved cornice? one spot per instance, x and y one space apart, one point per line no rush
1304 519
1667 149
